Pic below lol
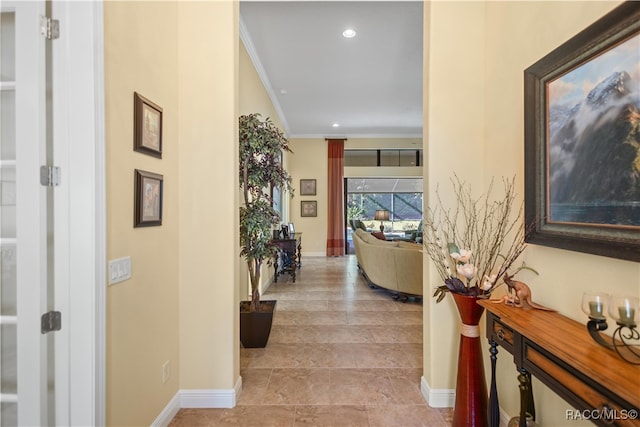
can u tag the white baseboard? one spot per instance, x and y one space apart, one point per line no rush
446 398
211 398
437 398
168 412
504 418
207 398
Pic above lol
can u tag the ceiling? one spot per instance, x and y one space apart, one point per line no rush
371 84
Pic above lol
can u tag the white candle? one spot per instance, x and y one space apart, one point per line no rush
627 313
595 308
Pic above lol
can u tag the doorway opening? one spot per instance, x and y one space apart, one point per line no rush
400 197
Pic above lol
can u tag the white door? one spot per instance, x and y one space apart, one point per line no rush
27 356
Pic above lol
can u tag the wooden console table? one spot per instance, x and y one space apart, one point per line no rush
562 355
289 257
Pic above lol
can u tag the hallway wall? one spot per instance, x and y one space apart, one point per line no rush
514 42
142 313
478 52
181 303
253 98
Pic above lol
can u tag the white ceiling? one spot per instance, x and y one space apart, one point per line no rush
371 84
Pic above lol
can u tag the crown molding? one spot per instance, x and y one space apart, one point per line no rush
245 37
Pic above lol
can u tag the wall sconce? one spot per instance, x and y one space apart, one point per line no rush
624 310
381 215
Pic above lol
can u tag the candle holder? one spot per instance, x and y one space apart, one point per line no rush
625 340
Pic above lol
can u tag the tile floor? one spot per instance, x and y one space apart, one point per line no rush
340 354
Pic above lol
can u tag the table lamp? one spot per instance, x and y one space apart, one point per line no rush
381 215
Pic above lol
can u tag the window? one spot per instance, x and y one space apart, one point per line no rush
383 158
361 157
402 197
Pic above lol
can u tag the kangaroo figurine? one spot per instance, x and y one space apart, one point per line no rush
522 295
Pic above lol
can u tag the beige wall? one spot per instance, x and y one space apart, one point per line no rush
475 128
142 313
209 257
564 275
455 117
253 98
310 162
181 303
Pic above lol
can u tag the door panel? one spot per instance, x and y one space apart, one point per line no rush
8 278
24 240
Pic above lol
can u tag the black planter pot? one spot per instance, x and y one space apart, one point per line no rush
255 326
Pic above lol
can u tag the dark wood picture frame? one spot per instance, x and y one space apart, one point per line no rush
557 217
308 208
147 130
307 187
148 195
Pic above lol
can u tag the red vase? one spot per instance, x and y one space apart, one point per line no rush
470 409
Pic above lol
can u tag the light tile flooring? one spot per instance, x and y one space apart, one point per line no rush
340 354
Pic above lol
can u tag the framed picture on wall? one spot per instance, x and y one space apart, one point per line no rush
582 110
309 208
307 187
147 118
147 199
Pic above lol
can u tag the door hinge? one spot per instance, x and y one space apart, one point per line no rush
51 321
49 28
50 176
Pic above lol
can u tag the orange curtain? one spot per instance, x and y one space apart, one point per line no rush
335 225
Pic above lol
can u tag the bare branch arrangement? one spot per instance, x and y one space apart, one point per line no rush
473 244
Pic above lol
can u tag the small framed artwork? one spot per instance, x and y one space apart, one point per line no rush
292 229
308 208
581 157
307 187
147 199
147 126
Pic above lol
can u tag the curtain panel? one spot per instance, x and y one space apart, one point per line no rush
335 225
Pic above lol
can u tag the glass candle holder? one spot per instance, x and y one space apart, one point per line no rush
595 305
624 310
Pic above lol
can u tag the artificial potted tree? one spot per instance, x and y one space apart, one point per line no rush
261 147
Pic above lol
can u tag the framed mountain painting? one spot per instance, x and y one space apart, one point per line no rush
582 140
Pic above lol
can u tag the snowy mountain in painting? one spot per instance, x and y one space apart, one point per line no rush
594 146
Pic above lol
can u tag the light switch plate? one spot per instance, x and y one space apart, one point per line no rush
119 270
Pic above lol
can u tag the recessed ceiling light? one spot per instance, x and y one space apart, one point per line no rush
336 125
349 33
283 91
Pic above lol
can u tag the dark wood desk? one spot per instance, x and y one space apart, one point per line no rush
562 355
289 257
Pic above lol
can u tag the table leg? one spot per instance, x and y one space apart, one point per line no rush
527 406
494 407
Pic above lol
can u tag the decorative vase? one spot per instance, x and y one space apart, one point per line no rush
470 409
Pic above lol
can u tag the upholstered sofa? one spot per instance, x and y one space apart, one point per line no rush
392 265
